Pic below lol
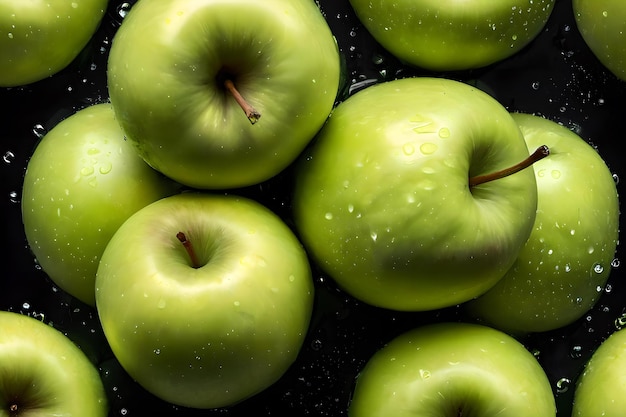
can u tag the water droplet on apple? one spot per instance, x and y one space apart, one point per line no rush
105 168
328 216
576 352
161 304
157 351
444 132
424 374
408 149
350 208
598 269
123 9
556 174
428 148
620 322
86 171
292 278
615 263
616 178
374 236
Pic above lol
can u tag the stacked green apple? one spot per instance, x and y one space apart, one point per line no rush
29 29
414 195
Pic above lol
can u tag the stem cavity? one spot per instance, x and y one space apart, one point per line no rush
189 248
540 153
251 113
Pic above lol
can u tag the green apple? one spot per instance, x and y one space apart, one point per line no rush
180 72
450 35
383 201
602 24
40 38
452 370
43 373
205 299
564 265
601 388
82 181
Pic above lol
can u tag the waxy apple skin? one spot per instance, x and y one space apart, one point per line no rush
451 35
165 75
210 336
44 373
602 24
452 369
562 270
40 38
382 200
82 182
600 388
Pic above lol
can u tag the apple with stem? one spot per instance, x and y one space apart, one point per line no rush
223 94
409 197
452 370
40 38
205 299
564 265
452 35
82 182
600 389
602 24
43 373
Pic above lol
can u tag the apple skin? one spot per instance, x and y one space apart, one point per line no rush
452 369
44 373
563 267
602 24
600 387
82 182
164 82
382 201
40 38
451 35
211 336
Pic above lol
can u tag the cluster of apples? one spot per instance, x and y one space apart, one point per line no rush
415 194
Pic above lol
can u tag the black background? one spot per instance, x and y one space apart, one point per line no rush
556 76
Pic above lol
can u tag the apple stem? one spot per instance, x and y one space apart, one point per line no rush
540 153
250 111
189 248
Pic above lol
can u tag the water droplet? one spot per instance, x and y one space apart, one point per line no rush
562 385
157 351
105 168
556 174
328 216
292 278
598 269
620 322
615 263
425 374
8 157
428 148
161 304
85 171
123 9
39 131
444 132
576 352
374 236
408 149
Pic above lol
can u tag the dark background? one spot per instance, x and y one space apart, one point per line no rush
556 76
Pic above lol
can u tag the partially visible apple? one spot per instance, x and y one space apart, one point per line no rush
82 181
383 200
452 370
40 38
564 265
205 299
223 94
450 35
601 388
43 373
602 24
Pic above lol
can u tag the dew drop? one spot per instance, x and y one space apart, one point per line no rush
444 132
424 374
562 385
328 216
428 148
8 157
408 149
598 269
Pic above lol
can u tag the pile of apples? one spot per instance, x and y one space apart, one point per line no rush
413 194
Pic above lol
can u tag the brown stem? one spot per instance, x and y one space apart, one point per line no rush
189 248
250 111
540 153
